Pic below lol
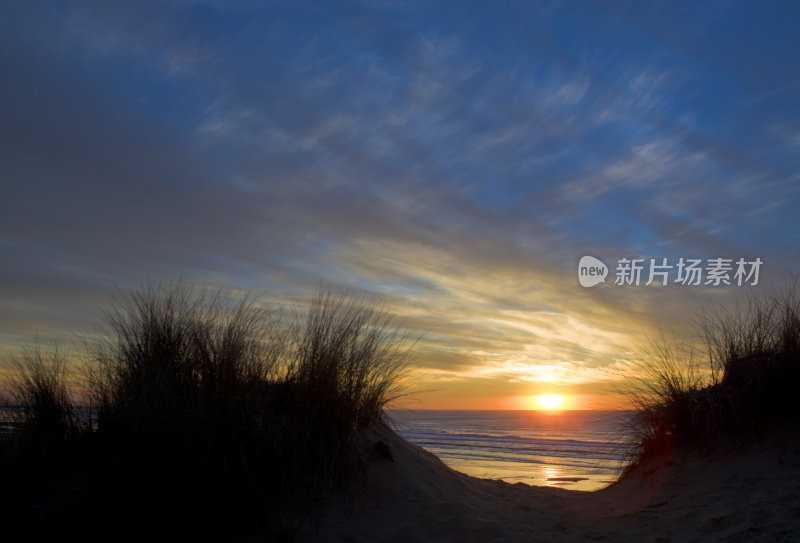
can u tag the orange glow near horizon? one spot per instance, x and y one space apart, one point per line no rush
528 402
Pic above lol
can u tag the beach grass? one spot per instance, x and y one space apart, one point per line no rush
211 413
39 388
740 386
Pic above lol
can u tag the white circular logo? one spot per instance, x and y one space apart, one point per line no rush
591 271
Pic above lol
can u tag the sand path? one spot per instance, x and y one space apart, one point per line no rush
750 496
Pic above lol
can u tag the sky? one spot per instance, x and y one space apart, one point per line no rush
454 159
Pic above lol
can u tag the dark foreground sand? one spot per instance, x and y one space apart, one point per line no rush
747 496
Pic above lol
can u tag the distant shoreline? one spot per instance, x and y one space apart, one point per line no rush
576 449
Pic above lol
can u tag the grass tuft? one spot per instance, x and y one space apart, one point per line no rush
39 395
752 357
346 364
212 414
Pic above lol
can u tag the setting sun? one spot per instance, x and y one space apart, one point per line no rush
549 401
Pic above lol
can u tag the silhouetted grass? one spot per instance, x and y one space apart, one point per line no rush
39 396
748 387
213 414
345 367
37 405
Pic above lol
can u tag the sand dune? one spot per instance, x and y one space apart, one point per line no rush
413 496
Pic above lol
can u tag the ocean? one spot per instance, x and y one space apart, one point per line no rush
579 450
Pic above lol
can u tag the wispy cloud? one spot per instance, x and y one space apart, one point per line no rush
458 163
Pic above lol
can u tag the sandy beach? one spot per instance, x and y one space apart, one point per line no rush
753 495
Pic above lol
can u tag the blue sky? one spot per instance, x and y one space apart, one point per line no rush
455 158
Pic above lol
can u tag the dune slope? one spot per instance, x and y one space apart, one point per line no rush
410 495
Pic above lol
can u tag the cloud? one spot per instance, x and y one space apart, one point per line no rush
457 163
